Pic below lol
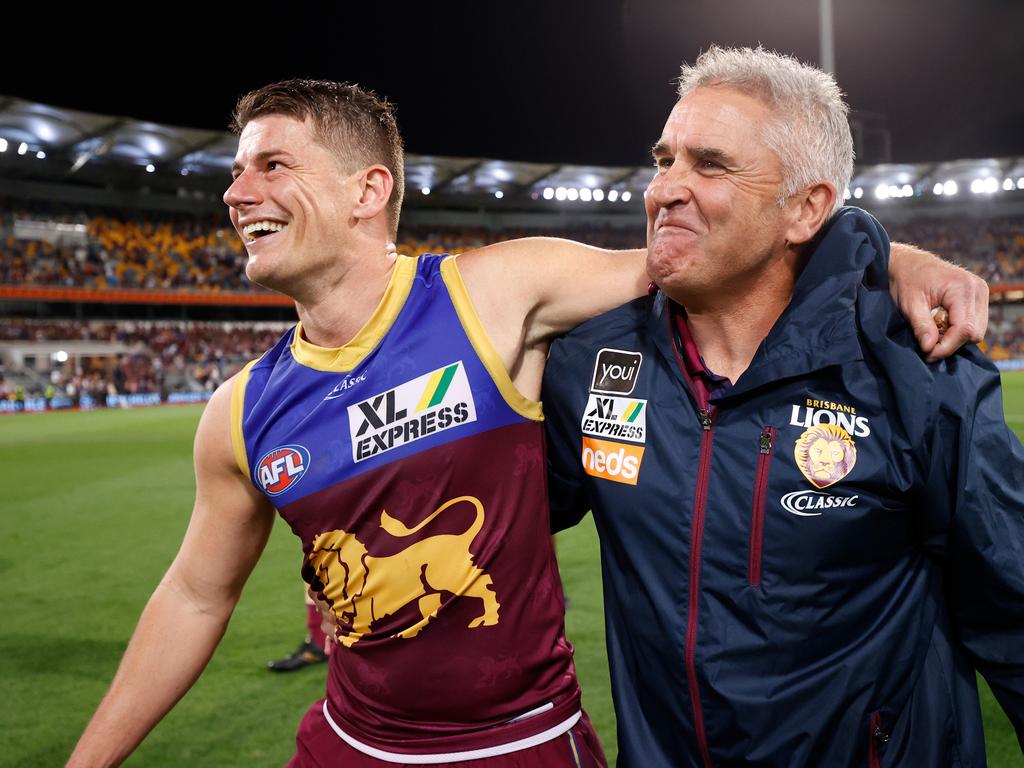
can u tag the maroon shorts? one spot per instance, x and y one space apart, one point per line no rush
318 746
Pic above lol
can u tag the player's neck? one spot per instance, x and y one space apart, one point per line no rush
333 315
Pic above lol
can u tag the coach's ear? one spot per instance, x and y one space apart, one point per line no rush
809 210
375 185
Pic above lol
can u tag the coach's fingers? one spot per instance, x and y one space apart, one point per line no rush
329 643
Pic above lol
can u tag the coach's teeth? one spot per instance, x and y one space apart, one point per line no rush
258 228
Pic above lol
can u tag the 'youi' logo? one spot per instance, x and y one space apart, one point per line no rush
616 371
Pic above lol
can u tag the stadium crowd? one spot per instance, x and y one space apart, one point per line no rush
200 253
139 357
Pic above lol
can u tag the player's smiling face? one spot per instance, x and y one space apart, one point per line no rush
288 203
713 218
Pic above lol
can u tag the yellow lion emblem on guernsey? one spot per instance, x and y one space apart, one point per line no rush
364 589
825 454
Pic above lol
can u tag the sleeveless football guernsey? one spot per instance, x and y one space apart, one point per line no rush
413 472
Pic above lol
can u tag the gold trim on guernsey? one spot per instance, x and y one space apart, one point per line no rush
344 359
474 329
237 407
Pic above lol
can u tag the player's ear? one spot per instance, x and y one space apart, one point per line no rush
811 208
375 184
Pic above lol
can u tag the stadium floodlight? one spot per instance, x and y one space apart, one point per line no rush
1020 183
184 171
560 193
950 188
599 194
908 191
40 155
22 148
572 193
937 189
613 195
150 168
881 191
61 356
499 194
3 145
424 190
549 193
976 186
847 194
1008 185
990 185
586 194
858 193
625 196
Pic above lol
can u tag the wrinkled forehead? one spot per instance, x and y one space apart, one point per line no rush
717 113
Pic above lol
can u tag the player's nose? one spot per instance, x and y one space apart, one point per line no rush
243 191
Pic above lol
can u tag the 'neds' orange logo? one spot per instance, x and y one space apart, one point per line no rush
613 461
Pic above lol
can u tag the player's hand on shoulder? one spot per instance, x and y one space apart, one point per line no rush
922 282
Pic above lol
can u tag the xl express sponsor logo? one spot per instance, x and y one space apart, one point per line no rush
618 417
431 403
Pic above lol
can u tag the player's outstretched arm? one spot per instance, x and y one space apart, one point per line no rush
544 286
189 610
919 281
557 284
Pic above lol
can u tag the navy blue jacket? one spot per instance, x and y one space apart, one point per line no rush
808 569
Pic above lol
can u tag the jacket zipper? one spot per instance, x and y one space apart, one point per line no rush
707 416
766 446
877 739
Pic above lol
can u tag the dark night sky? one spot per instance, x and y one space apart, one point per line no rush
561 80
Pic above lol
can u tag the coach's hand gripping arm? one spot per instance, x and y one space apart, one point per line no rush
189 610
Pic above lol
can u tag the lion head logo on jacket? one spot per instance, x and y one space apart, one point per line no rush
825 454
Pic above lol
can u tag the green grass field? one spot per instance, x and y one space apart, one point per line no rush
93 509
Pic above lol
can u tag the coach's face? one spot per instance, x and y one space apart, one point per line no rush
289 202
714 225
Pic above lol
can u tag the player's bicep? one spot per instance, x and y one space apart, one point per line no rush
231 520
552 285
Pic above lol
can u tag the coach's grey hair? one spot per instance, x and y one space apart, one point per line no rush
810 131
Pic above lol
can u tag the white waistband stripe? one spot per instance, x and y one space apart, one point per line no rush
454 757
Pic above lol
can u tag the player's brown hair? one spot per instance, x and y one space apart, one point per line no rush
355 123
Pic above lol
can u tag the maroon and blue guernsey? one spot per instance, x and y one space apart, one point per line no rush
413 472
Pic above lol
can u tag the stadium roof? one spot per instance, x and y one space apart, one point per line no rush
44 143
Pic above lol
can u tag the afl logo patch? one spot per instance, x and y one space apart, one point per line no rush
281 469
